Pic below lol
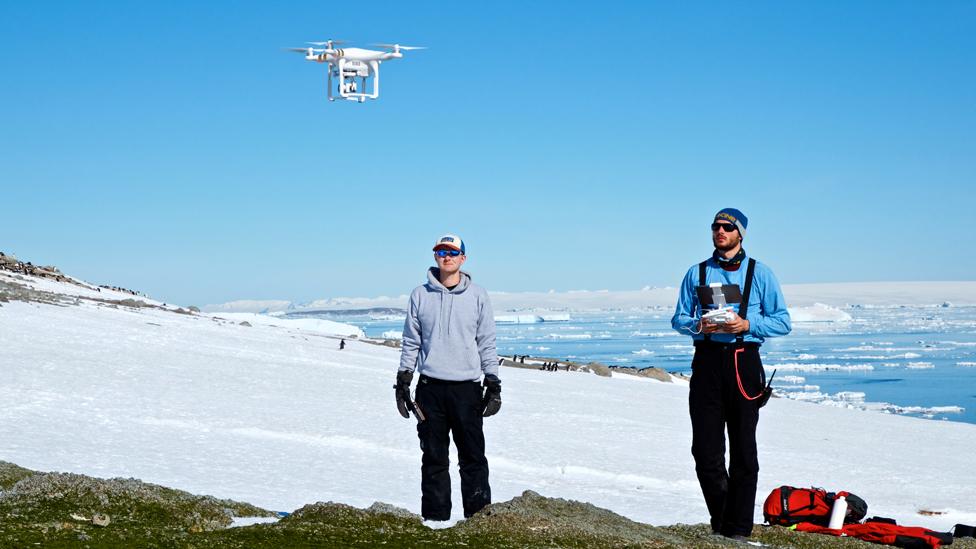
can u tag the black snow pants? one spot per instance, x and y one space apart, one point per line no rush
717 402
455 407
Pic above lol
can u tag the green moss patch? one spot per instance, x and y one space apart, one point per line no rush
55 510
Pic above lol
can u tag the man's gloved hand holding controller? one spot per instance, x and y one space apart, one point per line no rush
492 399
402 390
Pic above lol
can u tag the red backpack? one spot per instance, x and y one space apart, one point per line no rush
787 506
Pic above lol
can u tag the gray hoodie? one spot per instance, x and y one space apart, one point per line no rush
449 334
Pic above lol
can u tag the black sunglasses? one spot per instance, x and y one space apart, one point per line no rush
445 253
727 227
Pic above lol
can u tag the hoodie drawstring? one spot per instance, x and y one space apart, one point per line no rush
450 313
440 317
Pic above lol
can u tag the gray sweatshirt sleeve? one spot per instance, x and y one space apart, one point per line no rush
486 337
411 336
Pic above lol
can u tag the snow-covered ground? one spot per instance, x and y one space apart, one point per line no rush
314 325
278 416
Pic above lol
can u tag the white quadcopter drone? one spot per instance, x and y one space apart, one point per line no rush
351 64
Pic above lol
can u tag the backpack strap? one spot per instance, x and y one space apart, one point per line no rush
744 306
963 531
701 282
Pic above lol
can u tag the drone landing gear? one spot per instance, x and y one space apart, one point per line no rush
347 73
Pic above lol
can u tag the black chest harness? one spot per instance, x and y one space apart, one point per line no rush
762 396
744 305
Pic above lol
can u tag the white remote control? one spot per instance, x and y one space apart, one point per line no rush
719 316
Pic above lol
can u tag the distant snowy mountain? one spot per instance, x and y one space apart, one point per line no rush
797 296
250 306
275 414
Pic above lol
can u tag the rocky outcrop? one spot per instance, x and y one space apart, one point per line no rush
11 264
14 265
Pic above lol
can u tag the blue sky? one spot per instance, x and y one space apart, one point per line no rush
174 148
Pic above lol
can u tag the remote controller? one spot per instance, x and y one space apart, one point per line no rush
719 316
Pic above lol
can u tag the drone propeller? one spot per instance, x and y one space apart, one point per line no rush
328 43
397 47
307 51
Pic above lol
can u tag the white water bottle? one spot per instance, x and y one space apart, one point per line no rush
838 514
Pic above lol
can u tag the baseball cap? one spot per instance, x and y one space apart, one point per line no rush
451 241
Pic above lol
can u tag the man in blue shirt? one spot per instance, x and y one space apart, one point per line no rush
728 383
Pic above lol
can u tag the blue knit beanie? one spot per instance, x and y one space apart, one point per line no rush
735 217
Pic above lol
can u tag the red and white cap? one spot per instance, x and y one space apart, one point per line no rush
451 242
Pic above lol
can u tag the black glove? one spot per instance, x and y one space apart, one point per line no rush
402 391
491 402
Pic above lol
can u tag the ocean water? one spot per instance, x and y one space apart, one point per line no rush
918 361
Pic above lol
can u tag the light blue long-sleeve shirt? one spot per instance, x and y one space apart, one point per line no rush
449 334
767 314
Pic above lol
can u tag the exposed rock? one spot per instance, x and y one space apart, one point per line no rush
12 264
379 507
42 496
596 368
654 373
566 518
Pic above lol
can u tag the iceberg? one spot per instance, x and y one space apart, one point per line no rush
518 319
818 312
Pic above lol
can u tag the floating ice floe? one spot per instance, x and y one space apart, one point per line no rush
556 317
792 379
959 343
966 363
927 411
532 318
920 365
819 312
796 367
864 347
393 334
781 389
639 333
643 352
855 400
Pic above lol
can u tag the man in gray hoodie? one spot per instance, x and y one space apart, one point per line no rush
449 337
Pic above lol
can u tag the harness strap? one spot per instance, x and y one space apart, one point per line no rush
786 491
964 531
744 306
701 282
